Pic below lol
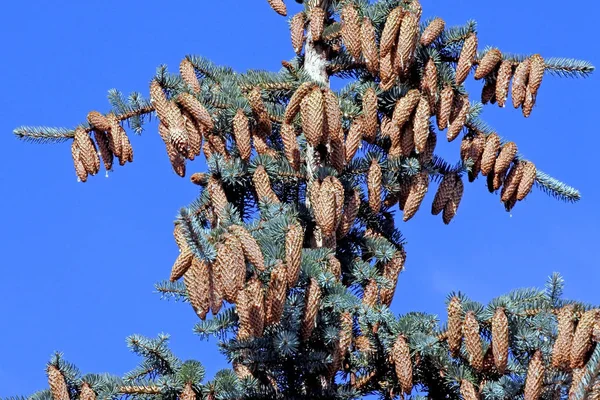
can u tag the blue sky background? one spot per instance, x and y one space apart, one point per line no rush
79 260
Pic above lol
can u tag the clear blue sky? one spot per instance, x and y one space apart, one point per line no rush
79 260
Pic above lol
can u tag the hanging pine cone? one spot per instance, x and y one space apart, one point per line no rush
257 306
509 189
104 148
582 340
561 352
86 392
80 170
276 294
453 202
418 189
407 140
188 74
466 58
297 32
338 195
216 290
262 185
488 63
217 195
351 30
159 101
374 186
194 135
353 139
505 158
261 146
527 180
578 375
312 111
389 35
326 208
421 124
369 46
488 93
403 364
444 108
279 7
467 390
500 339
182 264
432 31
98 121
337 155
405 106
391 270
427 155
259 109
387 72
519 85
349 215
293 253
197 284
346 332
290 145
333 116
536 73
475 154
503 82
462 106
57 383
370 119
176 159
528 103
370 294
192 105
490 153
429 84
407 41
473 341
454 332
87 151
230 266
250 247
535 377
241 134
443 194
317 23
312 303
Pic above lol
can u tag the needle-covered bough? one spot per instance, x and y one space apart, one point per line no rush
292 245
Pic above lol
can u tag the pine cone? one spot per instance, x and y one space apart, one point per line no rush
453 202
443 194
370 119
197 284
503 82
290 144
370 294
351 30
432 31
500 339
257 306
444 108
386 71
279 7
505 158
177 160
262 185
405 106
467 390
391 270
312 111
182 264
188 74
353 139
98 121
215 290
509 189
369 46
407 41
374 186
421 124
326 208
389 35
86 392
80 169
261 146
333 116
276 294
297 32
293 253
317 23
57 383
454 332
488 93
528 103
519 85
473 341
536 73
488 63
217 195
463 106
349 215
191 104
104 148
339 197
427 155
466 58
194 135
241 134
578 375
429 85
418 189
535 377
230 266
476 153
490 152
87 151
250 247
582 340
346 332
526 183
403 364
260 111
337 155
561 352
312 303
159 101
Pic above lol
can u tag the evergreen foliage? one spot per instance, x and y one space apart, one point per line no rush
290 254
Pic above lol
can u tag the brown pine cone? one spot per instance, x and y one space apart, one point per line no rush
312 111
87 151
536 73
386 71
194 135
333 116
519 85
405 106
290 145
500 339
217 195
578 375
389 36
182 264
503 82
257 310
294 105
370 294
403 364
86 392
432 31
346 332
311 308
429 84
476 152
427 155
466 58
262 185
418 189
326 207
444 108
509 189
582 340
421 124
176 128
276 294
490 153
317 23
293 253
197 284
526 183
259 109
241 134
104 148
370 118
279 7
337 155
250 247
407 41
353 139
351 30
454 332
465 147
57 383
297 32
80 169
98 121
159 101
188 74
374 186
561 352
177 160
488 63
338 195
349 215
488 93
505 158
451 206
462 106
535 377
407 140
497 180
473 341
443 194
528 103
215 290
334 266
467 390
391 271
369 46
193 106
230 267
